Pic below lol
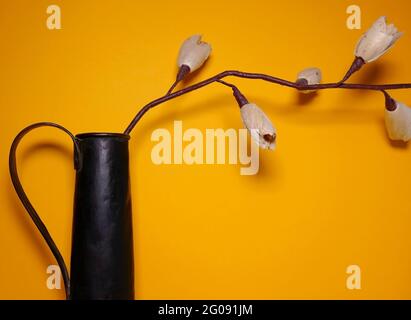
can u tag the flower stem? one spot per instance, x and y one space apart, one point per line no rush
264 77
390 103
239 97
355 66
182 72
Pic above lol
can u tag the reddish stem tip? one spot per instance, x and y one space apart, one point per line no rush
390 103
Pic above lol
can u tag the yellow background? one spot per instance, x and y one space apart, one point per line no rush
334 193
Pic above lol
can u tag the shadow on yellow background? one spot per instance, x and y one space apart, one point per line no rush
335 192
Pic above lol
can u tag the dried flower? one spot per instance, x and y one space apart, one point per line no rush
254 119
377 40
193 53
398 122
260 127
309 76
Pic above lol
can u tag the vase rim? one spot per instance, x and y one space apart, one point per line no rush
102 135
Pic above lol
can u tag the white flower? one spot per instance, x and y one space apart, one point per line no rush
260 127
309 76
193 53
312 75
398 122
377 40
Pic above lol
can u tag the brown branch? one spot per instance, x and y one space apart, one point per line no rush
263 77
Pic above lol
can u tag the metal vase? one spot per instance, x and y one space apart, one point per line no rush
102 264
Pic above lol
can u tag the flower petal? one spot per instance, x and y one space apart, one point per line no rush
377 40
261 129
398 122
193 53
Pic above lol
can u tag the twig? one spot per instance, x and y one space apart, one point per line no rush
182 72
263 77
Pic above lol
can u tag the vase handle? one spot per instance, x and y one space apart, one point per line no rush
26 202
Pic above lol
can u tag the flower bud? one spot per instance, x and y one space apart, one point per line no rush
377 40
309 76
193 53
398 122
259 126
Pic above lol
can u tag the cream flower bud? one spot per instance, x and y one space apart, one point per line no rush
312 75
193 53
398 122
377 40
309 76
259 126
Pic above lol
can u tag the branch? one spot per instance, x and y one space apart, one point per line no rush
264 77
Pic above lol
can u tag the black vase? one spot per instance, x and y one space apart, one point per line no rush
102 265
